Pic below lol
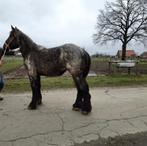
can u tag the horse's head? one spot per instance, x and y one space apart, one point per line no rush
12 41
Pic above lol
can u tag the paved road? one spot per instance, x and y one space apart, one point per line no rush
137 139
116 111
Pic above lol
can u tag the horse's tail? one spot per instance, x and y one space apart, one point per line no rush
87 62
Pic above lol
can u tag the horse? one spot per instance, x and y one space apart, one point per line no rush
42 61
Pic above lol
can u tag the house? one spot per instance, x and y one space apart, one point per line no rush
129 54
144 55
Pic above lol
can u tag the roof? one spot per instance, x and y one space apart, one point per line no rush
144 54
129 53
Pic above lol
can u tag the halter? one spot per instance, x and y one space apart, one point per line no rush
7 47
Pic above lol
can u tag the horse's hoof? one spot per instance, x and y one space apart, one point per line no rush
86 109
77 106
85 112
76 109
32 107
1 98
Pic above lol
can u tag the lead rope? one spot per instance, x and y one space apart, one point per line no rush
3 56
7 46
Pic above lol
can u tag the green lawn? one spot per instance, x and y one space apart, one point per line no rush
10 64
22 85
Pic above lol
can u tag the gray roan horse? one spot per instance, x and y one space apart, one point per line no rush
39 61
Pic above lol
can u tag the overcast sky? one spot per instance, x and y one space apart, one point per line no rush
54 22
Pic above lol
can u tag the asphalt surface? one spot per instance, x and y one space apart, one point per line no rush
138 139
119 113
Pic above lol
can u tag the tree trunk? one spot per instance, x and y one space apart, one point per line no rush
124 46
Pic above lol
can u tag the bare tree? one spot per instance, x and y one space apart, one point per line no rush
123 20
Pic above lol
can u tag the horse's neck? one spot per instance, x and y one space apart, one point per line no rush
26 45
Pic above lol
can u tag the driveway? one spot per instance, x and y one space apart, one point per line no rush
116 111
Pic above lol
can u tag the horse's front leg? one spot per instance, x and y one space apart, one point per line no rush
36 93
39 96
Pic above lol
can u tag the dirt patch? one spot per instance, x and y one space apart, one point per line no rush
17 73
138 139
21 72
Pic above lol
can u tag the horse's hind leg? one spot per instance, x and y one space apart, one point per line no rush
36 93
83 100
78 103
86 106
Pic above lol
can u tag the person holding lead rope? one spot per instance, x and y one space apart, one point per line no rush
1 74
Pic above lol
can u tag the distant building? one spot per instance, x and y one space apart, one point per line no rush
143 55
129 54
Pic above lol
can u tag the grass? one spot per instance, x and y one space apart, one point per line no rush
118 80
10 64
23 85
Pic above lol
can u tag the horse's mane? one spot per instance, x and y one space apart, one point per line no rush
26 38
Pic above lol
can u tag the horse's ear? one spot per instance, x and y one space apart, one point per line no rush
12 27
16 28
